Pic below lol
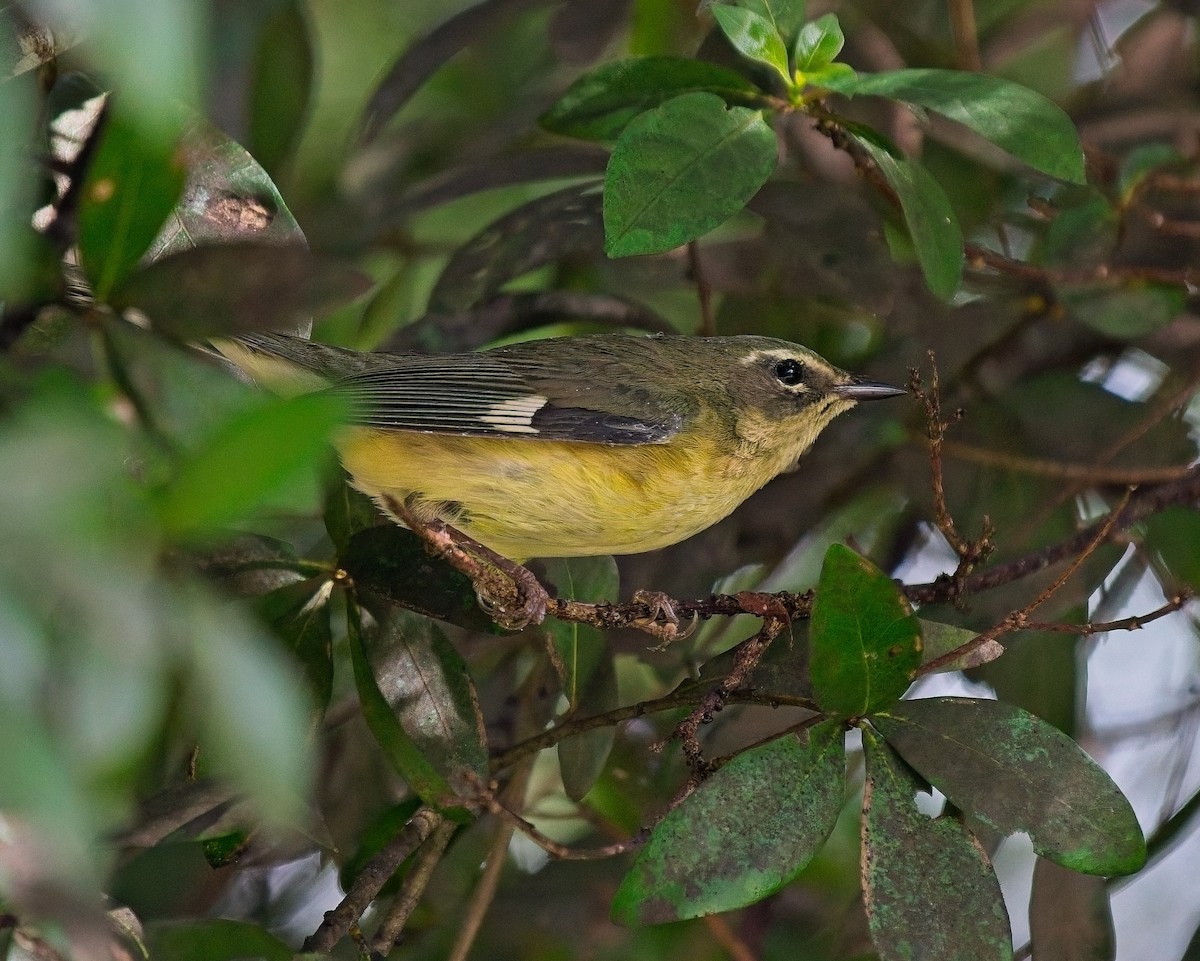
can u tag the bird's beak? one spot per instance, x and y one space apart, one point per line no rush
859 388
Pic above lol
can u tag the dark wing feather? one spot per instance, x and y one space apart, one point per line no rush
513 393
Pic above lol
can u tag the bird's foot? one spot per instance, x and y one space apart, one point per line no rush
662 622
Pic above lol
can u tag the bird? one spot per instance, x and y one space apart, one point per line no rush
569 446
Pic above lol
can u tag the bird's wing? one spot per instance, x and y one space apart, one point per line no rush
518 395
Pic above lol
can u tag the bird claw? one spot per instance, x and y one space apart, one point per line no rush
515 603
663 622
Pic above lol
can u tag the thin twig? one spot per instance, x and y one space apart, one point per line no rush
552 847
1145 504
1062 470
428 858
484 894
1134 623
970 553
668 702
371 879
1019 620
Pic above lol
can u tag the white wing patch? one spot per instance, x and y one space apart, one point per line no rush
515 416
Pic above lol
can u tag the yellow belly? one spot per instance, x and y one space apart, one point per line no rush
533 498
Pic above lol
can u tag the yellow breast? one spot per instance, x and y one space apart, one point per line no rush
532 498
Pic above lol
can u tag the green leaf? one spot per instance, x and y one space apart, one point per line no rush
788 16
1084 231
1014 772
157 66
940 639
547 230
580 647
254 713
392 563
228 197
216 939
298 614
373 838
600 104
401 750
281 86
682 169
420 704
132 184
818 44
256 457
866 644
1174 534
17 185
1129 312
927 212
239 286
753 36
928 887
1141 162
1016 119
347 512
581 758
743 834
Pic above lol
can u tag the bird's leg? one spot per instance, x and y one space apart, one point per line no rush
663 622
509 592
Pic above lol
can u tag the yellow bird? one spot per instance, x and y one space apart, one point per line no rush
571 446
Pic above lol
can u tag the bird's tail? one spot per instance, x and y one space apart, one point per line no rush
288 365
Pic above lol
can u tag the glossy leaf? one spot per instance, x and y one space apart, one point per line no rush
928 887
818 44
405 756
237 287
866 644
1070 915
600 104
743 834
931 222
281 86
258 456
682 169
1018 120
753 36
227 198
214 939
393 564
133 183
1014 772
420 704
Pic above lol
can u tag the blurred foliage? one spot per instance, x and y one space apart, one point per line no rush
222 686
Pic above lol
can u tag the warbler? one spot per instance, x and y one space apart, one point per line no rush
570 446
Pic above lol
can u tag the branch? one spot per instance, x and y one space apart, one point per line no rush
371 879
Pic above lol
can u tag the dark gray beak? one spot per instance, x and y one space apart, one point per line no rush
859 388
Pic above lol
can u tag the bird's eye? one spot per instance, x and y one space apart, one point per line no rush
789 372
